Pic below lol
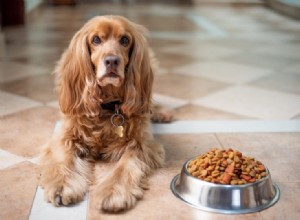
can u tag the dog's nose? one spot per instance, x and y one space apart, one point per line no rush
111 61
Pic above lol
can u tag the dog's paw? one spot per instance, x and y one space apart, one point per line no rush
161 115
118 198
63 195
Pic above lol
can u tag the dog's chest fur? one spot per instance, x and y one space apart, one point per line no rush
98 138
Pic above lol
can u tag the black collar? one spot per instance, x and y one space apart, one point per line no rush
111 106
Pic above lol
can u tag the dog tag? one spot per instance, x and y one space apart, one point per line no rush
119 130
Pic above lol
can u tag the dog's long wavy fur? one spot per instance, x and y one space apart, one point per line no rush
87 133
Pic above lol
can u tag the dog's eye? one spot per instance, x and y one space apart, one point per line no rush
124 41
96 40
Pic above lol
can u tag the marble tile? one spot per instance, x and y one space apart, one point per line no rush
253 102
280 82
288 204
12 103
14 70
194 112
7 159
167 23
171 61
226 126
39 88
53 104
187 87
167 101
17 185
25 132
272 62
203 51
293 68
46 211
287 50
224 71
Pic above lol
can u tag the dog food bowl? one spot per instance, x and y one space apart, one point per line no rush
225 199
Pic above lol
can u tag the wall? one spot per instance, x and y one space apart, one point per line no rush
31 4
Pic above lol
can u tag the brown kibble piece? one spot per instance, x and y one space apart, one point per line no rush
226 167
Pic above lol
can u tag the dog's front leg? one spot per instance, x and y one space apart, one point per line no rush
64 176
124 185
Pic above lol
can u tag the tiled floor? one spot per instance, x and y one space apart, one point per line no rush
220 66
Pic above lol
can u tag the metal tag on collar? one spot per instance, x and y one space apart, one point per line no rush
117 120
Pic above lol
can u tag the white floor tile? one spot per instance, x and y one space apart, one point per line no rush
7 159
10 103
167 101
253 102
41 210
226 126
224 71
53 104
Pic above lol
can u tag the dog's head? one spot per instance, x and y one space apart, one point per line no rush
107 53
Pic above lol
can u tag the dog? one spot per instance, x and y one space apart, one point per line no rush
104 85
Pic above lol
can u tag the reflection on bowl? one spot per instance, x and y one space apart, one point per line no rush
226 199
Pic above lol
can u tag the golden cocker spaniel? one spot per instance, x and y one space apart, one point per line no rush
104 83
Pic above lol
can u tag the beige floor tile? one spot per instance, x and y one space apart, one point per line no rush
280 82
194 112
172 61
288 204
39 88
203 51
12 103
273 61
25 132
167 23
253 102
17 185
13 71
224 71
185 87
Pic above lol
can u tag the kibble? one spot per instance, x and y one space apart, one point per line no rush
226 167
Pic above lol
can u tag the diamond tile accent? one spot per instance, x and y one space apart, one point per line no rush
11 103
167 101
7 159
224 71
253 102
53 104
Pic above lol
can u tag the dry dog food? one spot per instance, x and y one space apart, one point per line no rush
226 167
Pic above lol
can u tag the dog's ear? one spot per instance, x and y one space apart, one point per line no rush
75 77
139 75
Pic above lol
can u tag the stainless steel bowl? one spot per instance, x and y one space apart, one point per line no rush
225 199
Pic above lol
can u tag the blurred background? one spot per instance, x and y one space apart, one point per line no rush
220 60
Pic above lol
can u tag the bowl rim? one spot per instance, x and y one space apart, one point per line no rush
224 185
